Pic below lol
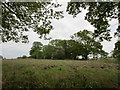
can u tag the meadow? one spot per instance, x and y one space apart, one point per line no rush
40 73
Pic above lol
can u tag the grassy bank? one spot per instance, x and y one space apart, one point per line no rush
30 73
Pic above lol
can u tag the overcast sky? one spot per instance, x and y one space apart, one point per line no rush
63 29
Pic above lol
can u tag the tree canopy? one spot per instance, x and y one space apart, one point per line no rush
82 44
21 17
116 51
36 50
98 14
89 44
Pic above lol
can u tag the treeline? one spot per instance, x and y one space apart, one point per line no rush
81 44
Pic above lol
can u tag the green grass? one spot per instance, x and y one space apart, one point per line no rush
34 73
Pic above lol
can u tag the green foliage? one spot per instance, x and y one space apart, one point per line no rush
73 49
36 50
48 52
65 49
21 17
89 45
103 54
82 44
116 51
58 49
99 14
23 57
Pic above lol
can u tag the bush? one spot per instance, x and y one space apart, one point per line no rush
23 57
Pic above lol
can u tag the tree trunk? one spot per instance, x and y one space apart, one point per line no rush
85 57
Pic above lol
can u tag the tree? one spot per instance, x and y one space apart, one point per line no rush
99 14
82 44
88 43
59 52
36 50
21 17
103 54
116 51
23 57
66 49
73 49
48 51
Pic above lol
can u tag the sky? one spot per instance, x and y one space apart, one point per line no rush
63 29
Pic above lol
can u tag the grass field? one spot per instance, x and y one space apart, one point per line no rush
33 73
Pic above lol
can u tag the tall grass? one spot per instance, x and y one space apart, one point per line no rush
60 74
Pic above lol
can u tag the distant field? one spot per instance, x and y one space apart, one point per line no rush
31 73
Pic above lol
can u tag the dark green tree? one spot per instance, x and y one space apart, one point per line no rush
99 14
21 17
89 45
103 54
36 50
59 52
23 57
61 45
48 51
73 49
66 49
116 51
